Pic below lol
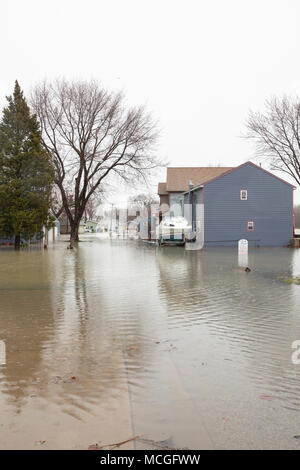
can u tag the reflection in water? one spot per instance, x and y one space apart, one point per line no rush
256 315
25 320
115 339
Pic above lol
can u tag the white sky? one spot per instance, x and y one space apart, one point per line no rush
198 65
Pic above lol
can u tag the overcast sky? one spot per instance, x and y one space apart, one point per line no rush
198 65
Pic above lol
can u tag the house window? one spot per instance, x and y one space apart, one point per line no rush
176 204
244 194
250 226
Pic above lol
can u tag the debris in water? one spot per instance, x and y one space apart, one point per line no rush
266 397
242 268
58 380
35 381
112 446
40 443
94 446
70 380
171 348
165 444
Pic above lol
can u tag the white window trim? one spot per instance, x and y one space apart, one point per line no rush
241 198
253 226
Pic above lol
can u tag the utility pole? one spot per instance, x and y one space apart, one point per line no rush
111 214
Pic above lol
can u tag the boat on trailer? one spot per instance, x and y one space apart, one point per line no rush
173 231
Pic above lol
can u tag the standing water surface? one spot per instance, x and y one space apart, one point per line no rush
114 340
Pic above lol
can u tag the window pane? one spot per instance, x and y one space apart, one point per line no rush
176 203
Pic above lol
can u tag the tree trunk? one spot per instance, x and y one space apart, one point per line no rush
74 238
17 242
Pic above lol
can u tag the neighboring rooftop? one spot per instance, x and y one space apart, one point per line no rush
162 189
178 178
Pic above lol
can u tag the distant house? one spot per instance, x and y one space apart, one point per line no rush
6 241
241 202
91 225
51 235
43 236
65 228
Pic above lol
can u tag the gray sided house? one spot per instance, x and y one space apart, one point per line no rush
242 202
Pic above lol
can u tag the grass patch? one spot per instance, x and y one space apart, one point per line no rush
291 280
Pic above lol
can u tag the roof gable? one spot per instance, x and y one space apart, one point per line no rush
255 166
162 189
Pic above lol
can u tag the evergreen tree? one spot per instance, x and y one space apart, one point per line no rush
26 174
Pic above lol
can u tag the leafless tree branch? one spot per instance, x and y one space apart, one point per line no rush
276 134
90 135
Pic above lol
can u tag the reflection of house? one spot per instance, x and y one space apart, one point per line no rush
91 225
233 203
65 227
6 241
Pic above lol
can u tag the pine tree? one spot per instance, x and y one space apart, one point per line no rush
26 174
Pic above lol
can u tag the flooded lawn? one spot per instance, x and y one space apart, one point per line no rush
116 340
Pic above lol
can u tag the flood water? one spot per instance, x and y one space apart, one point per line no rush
115 340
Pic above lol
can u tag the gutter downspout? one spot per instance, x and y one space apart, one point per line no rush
192 209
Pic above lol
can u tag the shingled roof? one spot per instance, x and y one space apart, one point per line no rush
162 189
178 178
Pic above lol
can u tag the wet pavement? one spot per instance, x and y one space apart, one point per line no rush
115 340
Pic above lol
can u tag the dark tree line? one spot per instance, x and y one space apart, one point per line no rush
26 172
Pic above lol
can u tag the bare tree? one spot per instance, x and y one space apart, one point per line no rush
90 211
143 200
90 135
57 207
277 134
144 204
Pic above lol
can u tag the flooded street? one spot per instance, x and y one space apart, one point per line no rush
115 340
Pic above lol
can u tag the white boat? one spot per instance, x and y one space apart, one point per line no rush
173 230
